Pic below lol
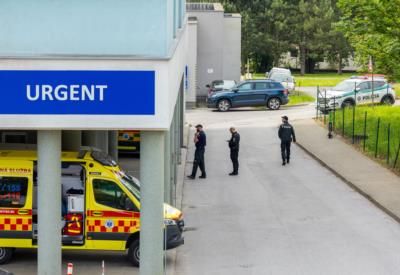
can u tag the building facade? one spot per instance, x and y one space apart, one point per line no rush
99 36
216 43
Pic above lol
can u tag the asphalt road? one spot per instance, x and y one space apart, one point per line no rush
297 219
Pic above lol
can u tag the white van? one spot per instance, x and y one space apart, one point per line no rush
283 76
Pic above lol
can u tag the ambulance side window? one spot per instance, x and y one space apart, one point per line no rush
13 191
108 193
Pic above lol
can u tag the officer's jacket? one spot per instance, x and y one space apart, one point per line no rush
234 141
201 140
286 132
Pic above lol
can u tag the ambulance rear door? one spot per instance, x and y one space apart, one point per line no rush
16 203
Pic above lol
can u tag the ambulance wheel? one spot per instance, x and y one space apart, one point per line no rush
5 254
134 253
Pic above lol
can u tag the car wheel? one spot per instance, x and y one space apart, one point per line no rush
274 103
134 253
5 254
224 105
387 100
347 103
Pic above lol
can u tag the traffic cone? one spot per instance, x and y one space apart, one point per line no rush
70 269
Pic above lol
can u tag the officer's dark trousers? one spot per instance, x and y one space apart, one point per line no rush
285 150
199 162
235 160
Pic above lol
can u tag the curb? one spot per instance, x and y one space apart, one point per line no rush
350 184
179 188
298 105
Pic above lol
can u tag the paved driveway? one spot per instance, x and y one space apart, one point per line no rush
298 219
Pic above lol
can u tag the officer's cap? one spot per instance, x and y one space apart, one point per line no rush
285 118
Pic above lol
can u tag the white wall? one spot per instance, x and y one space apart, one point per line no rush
192 63
232 50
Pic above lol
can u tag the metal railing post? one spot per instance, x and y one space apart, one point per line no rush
388 146
365 129
377 137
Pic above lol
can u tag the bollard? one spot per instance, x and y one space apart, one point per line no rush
103 269
330 126
70 269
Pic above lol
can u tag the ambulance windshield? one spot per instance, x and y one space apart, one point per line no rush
130 184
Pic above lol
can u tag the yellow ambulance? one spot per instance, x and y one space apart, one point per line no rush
129 141
100 205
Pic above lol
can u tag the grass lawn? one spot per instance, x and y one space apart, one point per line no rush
318 79
388 115
298 97
397 89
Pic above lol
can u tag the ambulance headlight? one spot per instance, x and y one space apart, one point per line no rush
169 222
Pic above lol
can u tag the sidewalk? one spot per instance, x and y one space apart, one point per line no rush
172 254
376 183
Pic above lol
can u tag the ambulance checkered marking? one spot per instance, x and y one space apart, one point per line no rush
119 226
16 224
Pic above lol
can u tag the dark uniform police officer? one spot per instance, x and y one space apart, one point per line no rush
200 143
234 147
286 134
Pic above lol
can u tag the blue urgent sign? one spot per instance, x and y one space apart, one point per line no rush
77 92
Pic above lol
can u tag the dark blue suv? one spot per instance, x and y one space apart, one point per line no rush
250 93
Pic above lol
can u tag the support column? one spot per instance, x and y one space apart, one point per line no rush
152 199
179 126
167 170
102 141
98 139
49 202
113 144
172 163
71 140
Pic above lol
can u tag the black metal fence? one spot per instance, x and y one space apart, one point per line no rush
372 129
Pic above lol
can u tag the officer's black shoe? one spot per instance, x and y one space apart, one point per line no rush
233 174
202 177
191 177
283 163
287 161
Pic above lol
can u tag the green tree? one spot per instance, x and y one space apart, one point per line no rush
373 29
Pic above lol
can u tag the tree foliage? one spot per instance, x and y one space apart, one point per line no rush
274 27
373 28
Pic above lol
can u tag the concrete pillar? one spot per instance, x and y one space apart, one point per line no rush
167 170
113 144
152 199
49 202
102 141
172 163
98 139
71 140
182 116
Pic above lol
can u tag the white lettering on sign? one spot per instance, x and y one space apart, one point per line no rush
64 92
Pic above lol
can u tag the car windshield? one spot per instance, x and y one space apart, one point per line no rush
281 77
345 86
130 184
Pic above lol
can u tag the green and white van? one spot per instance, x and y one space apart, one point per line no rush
357 90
